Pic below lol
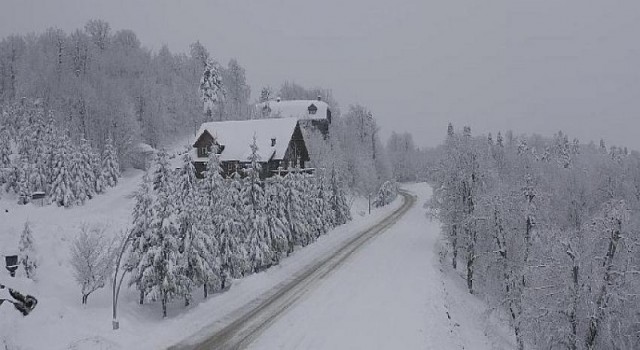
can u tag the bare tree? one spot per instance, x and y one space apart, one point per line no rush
92 255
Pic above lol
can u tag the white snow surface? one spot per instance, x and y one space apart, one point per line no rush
61 322
237 135
392 294
294 108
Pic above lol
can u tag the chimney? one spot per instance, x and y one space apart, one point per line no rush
273 141
319 98
278 99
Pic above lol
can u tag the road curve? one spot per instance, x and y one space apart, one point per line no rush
239 333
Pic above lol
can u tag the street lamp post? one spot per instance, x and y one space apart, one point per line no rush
117 282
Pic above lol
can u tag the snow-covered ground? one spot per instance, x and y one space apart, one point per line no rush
391 294
61 322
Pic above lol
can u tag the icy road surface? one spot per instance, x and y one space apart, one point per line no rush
390 294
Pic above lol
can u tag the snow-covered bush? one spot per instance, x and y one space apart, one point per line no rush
27 252
92 256
386 194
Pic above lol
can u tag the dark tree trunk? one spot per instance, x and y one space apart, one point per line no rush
470 261
514 310
454 244
527 242
164 305
573 342
601 301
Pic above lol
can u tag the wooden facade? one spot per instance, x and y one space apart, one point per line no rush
295 156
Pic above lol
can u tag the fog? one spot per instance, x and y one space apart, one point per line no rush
531 66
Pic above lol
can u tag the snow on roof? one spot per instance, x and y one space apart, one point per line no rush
295 108
236 137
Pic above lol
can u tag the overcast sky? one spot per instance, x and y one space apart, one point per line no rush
531 66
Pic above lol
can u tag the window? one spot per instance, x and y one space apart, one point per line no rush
312 109
203 152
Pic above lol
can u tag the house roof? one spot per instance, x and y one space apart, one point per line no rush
236 137
294 108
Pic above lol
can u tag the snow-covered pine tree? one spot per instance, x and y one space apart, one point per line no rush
26 140
298 221
197 261
211 87
110 164
62 187
98 175
11 178
39 176
5 147
22 172
216 203
87 166
162 276
308 188
27 251
234 247
76 172
277 223
323 197
5 152
49 139
386 194
254 216
141 236
338 200
213 182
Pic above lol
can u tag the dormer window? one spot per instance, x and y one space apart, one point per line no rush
312 109
203 152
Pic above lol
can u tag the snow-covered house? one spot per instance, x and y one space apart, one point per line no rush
280 145
310 113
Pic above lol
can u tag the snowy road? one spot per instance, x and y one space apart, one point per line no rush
390 292
255 319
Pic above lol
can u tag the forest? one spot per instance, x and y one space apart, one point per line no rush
88 99
75 107
546 230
